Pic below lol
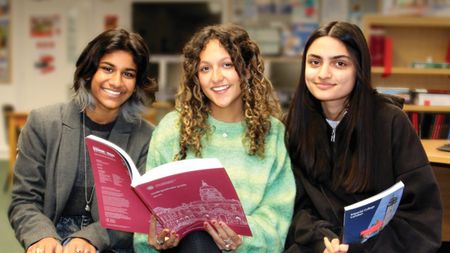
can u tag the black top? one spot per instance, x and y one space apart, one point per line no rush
398 155
77 200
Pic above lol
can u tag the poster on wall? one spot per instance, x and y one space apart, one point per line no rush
5 63
110 22
44 30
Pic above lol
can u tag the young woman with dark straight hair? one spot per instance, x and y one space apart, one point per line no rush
347 143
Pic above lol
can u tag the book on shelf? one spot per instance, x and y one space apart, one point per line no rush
437 125
432 97
414 118
430 65
388 55
402 92
181 194
426 125
376 45
366 218
430 125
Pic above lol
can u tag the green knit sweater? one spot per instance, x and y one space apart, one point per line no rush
266 187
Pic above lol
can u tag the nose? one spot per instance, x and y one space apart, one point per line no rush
116 79
217 75
324 72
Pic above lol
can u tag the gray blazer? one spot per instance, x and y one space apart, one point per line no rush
48 150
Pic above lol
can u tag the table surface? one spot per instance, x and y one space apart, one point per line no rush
435 155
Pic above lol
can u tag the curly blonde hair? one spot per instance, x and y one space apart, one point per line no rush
259 99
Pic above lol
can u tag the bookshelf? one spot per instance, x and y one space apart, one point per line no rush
414 39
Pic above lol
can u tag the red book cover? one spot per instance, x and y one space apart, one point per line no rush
415 121
376 45
439 119
387 56
181 194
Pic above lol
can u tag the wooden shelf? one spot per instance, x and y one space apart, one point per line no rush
407 21
414 71
424 108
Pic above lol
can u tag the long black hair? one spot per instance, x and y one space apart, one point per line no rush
307 132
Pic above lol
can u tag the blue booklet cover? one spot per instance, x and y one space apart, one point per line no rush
368 217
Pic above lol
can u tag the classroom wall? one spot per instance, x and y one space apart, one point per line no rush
78 22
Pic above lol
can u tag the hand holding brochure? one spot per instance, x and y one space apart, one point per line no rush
368 217
182 194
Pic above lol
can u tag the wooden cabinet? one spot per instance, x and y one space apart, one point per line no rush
16 121
414 39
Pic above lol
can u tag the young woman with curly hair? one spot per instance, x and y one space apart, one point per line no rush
226 108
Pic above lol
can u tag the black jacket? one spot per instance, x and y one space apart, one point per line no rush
399 155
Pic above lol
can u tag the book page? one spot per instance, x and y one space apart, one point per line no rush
172 168
187 196
120 208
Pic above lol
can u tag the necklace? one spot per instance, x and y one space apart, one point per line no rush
88 199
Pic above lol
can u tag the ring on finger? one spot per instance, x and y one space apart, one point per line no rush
78 251
227 241
38 250
160 241
236 237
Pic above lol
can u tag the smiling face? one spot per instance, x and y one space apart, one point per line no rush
220 82
112 84
330 74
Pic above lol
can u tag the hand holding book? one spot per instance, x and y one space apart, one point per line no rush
368 217
165 239
334 246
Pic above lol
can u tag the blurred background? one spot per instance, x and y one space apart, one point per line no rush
40 41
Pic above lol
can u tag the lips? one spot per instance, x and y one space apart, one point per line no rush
221 88
112 92
325 86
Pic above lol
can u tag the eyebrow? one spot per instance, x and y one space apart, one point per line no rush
220 60
334 57
112 65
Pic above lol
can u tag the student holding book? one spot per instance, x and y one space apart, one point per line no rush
347 143
226 109
54 208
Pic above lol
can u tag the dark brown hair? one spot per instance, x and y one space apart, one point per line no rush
108 42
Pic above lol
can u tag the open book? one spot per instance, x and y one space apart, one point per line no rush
181 194
368 217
